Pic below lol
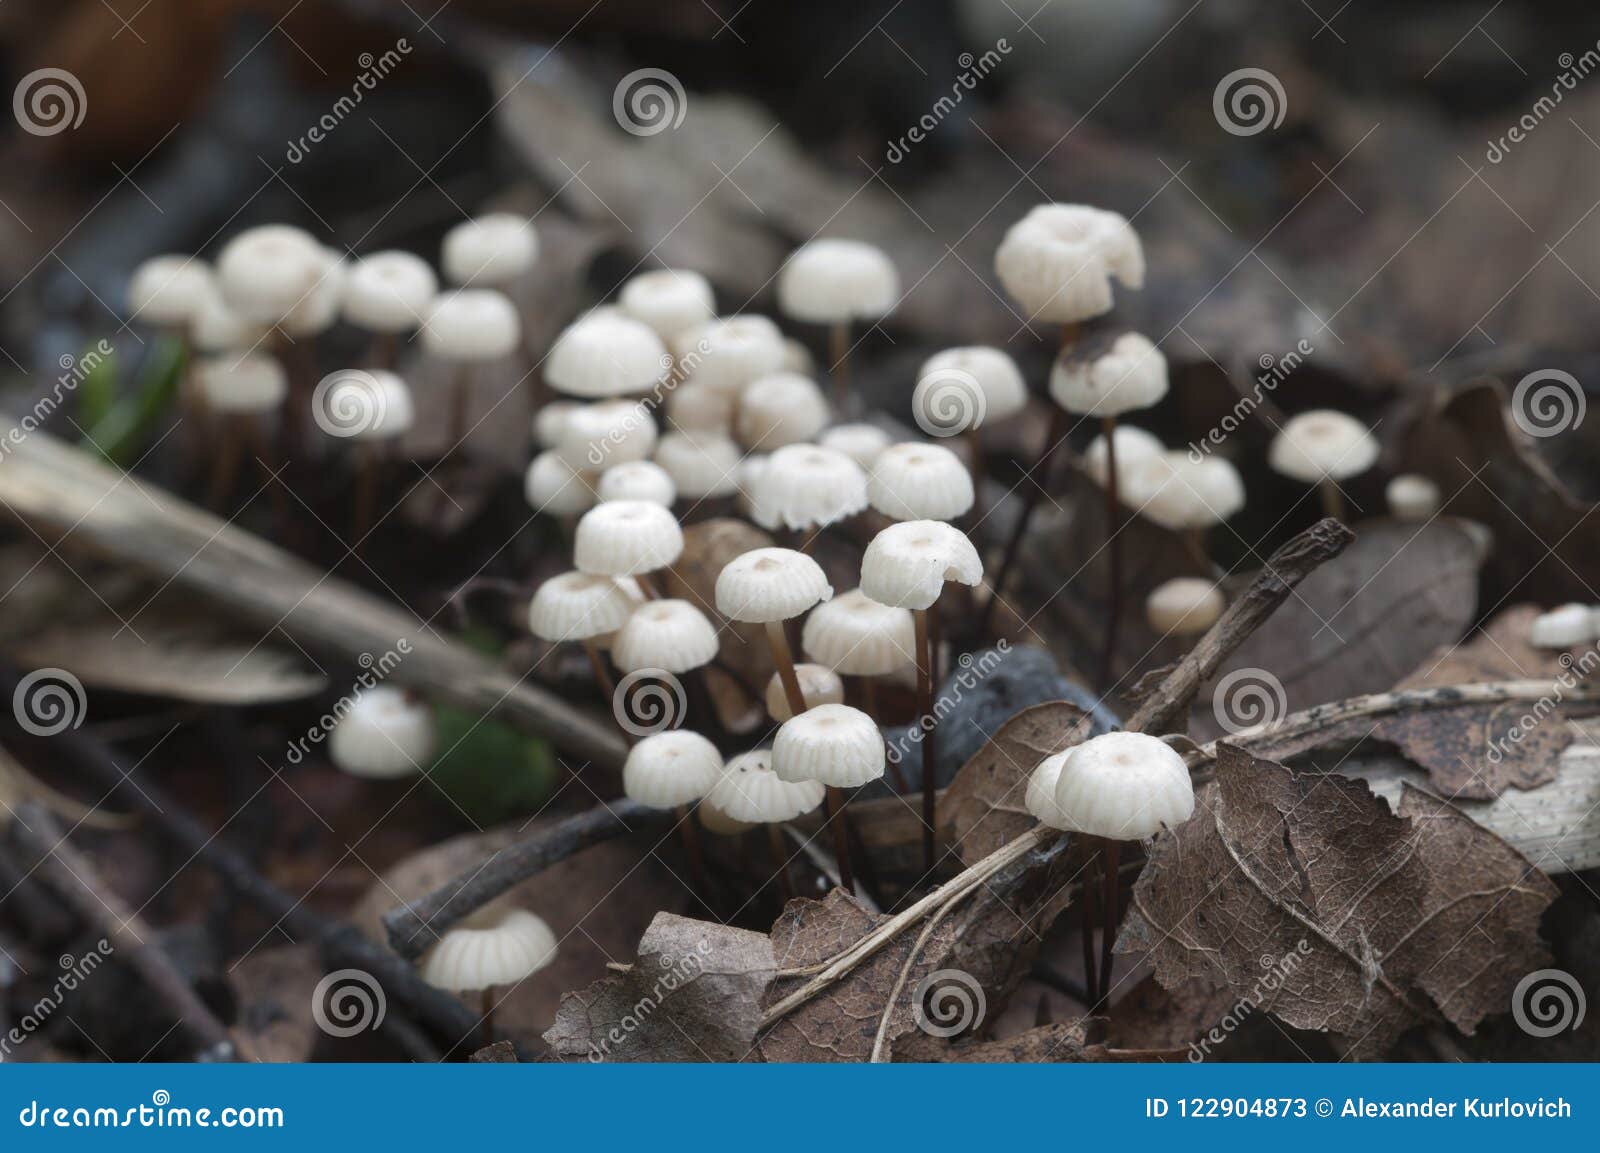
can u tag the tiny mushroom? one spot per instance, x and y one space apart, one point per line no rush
606 433
264 272
490 250
243 390
819 685
701 464
836 282
838 747
1323 447
555 488
1132 445
467 327
916 481
750 793
389 293
673 770
805 486
638 480
729 352
387 732
374 409
669 300
1412 497
626 538
1561 628
168 292
586 608
606 354
780 409
491 948
671 635
860 442
1184 606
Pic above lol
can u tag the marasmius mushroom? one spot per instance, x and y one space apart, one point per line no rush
242 391
960 390
674 770
638 480
1323 447
489 949
467 328
373 409
835 283
781 408
838 747
627 538
387 732
489 251
1412 497
669 300
586 608
803 488
752 794
389 294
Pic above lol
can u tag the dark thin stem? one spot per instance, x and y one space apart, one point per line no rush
1108 938
597 665
225 465
1332 499
930 835
1114 549
778 639
833 801
487 1003
365 507
385 350
839 355
1087 919
1032 490
780 861
698 879
460 393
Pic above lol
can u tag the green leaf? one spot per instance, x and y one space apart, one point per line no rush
491 771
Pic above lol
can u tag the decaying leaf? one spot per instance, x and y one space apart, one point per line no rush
1367 921
274 988
1061 1042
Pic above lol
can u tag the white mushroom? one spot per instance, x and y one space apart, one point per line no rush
672 635
490 250
669 300
915 481
386 732
819 685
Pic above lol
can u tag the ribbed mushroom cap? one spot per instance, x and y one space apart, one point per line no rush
626 538
550 420
553 487
967 387
215 327
819 685
1124 787
606 433
857 636
1058 260
244 383
665 634
489 250
751 792
389 292
833 281
265 272
701 464
915 481
669 769
770 584
695 407
371 405
490 948
170 290
780 409
1133 445
1180 493
1561 628
835 745
606 354
669 300
806 486
1412 497
728 353
718 823
318 307
472 324
1322 444
638 480
1131 375
860 442
907 564
1184 606
577 606
385 733
1040 797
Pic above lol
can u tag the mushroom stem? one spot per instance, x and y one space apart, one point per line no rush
833 802
225 465
365 507
597 664
1114 550
1108 936
924 646
698 882
1086 919
1332 499
974 439
486 1002
647 585
385 350
780 861
778 640
1195 541
839 360
459 393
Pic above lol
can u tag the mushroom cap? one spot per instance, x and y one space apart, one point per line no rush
701 464
472 324
606 433
626 538
834 281
215 327
669 769
694 407
265 272
1180 493
1412 496
170 290
860 442
836 745
554 487
819 685
859 637
318 307
385 733
1133 445
550 420
1040 797
907 564
1185 606
770 584
1322 444
806 486
917 481
780 409
797 358
248 382
729 352
752 793
606 354
389 292
1057 261
578 606
638 480
669 300
365 404
490 948
966 387
1124 787
1561 628
489 250
1130 375
665 634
